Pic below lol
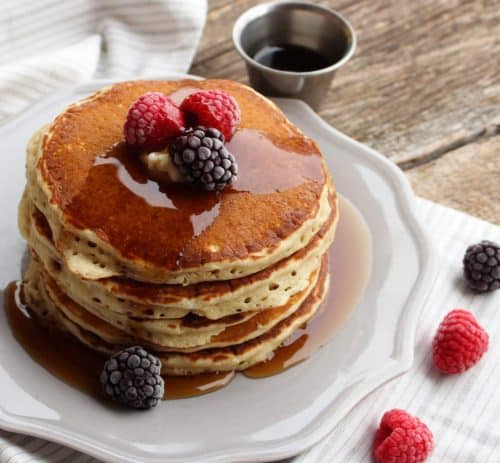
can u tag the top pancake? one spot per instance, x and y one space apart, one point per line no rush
109 218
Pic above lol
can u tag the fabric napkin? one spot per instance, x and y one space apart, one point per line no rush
462 411
48 44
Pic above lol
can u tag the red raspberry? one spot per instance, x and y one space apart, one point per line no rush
459 342
152 120
402 438
213 108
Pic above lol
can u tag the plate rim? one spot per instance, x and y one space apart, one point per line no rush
291 445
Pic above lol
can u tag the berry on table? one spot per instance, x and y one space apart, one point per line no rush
482 266
132 377
459 343
213 108
202 158
152 120
402 438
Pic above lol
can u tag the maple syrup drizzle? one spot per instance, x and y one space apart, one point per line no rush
79 366
161 195
129 208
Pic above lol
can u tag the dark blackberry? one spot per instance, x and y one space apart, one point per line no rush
482 266
201 156
132 377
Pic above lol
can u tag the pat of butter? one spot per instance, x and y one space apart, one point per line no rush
161 167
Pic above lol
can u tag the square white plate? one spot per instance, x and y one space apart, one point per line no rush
250 420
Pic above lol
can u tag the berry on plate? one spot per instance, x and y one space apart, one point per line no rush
482 266
213 108
402 438
202 158
132 377
459 342
152 120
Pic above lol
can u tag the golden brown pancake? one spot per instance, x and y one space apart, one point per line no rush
98 198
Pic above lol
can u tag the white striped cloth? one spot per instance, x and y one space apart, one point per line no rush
47 44
463 411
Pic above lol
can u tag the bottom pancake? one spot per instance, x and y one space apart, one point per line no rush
235 357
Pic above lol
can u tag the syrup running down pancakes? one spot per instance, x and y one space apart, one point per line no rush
208 282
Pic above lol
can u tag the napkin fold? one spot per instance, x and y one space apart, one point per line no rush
47 44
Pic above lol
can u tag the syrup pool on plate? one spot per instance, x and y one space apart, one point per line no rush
79 367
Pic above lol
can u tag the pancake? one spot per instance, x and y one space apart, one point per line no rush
134 332
236 357
116 298
109 219
207 281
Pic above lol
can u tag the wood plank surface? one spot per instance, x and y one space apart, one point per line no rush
423 89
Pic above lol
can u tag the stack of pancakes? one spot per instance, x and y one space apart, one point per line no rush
206 281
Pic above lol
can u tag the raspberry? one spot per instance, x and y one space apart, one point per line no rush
459 342
152 120
482 266
213 108
402 438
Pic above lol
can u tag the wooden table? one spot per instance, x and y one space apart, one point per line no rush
423 88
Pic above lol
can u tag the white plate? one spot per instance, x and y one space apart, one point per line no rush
250 420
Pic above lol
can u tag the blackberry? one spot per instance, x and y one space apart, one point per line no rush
482 266
201 156
132 377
